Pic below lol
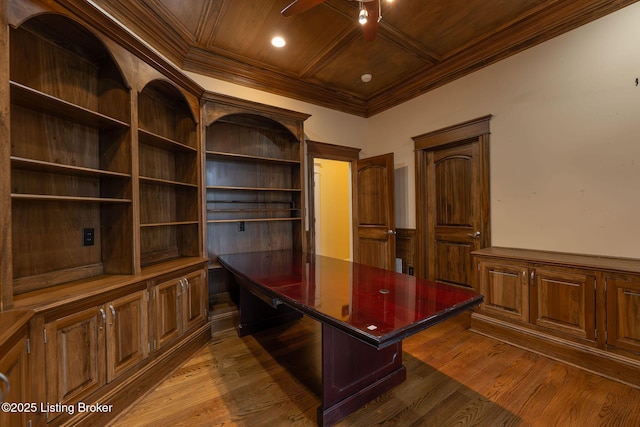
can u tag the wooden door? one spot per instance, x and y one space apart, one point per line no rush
505 289
454 212
194 300
564 302
623 312
375 243
167 311
74 356
127 333
452 200
14 365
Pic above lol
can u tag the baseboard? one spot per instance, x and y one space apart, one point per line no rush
594 360
224 322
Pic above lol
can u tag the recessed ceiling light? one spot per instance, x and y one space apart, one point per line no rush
366 77
278 41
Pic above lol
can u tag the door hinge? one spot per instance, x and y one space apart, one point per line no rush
28 346
148 347
45 336
155 345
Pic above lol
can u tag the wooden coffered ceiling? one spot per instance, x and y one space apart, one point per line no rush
421 44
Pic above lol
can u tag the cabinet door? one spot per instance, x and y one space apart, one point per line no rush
74 356
14 365
167 307
127 337
194 299
505 289
564 301
623 312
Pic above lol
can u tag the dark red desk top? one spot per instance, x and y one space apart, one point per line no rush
377 306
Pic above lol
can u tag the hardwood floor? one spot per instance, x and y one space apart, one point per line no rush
454 378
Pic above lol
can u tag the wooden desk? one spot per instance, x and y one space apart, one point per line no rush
365 314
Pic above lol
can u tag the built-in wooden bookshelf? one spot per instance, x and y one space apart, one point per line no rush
254 186
70 156
254 191
101 211
169 167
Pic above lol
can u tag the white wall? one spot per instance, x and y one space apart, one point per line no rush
565 142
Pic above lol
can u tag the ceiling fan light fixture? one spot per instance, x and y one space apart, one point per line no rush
363 14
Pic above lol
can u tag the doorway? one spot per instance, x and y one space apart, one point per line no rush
452 201
332 194
331 171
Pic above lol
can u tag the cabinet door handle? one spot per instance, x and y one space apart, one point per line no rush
104 317
181 284
113 314
6 381
524 277
187 282
632 294
532 275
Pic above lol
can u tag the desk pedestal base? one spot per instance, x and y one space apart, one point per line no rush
354 373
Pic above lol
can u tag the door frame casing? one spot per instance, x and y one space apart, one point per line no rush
322 150
476 129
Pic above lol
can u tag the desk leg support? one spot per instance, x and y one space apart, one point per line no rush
354 373
257 315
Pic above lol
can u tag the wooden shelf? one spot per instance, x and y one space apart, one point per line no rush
219 155
168 224
56 198
250 210
158 181
228 188
150 138
220 221
32 99
43 166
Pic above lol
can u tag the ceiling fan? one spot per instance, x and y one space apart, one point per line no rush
369 14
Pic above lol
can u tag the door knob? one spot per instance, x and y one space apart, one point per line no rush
391 232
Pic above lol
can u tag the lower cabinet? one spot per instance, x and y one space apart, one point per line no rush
623 312
560 300
180 303
14 385
578 308
87 349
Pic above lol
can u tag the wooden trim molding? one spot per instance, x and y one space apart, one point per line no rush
460 132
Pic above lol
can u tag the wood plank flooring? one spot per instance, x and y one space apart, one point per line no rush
454 378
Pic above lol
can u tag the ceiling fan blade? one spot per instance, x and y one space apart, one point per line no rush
370 29
299 6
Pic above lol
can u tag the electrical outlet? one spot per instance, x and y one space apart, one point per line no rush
88 236
241 226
